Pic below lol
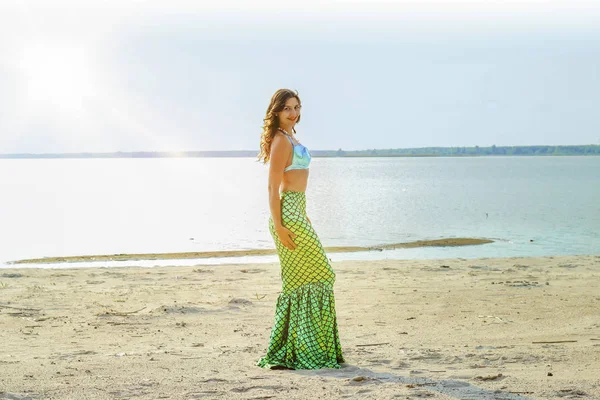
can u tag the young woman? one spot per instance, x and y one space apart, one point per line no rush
305 333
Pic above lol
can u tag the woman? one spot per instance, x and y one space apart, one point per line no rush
305 333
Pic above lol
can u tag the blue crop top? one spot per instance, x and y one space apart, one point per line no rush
300 158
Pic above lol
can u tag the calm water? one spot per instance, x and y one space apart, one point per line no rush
99 206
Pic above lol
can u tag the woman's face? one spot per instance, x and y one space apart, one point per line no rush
290 113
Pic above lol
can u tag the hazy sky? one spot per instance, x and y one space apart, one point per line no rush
188 75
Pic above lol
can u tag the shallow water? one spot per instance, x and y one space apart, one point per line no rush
531 206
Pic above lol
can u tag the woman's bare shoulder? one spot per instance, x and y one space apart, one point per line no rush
280 138
280 148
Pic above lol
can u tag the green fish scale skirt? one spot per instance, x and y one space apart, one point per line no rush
305 333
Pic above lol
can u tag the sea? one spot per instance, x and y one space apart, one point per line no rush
529 206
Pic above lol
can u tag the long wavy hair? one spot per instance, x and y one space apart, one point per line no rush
271 121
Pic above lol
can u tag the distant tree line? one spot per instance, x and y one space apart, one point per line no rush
579 150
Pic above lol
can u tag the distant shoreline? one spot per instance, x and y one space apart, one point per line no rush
244 253
572 150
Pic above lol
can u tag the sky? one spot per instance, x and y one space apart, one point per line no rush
107 76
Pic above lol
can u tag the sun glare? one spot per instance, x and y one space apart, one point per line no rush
56 78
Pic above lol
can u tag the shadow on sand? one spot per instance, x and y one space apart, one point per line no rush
455 388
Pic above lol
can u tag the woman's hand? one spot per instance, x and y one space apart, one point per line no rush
286 237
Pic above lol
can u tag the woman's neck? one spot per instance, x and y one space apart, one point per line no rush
288 129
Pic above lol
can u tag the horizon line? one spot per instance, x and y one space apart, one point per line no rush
257 151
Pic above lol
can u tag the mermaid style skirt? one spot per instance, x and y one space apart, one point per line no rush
305 333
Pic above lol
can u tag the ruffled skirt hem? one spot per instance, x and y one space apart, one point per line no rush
305 333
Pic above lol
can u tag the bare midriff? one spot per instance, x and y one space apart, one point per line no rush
295 180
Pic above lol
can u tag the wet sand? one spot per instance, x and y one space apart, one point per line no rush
513 328
256 252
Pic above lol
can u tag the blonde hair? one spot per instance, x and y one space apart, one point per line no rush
271 122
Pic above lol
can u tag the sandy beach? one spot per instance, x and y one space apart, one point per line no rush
511 328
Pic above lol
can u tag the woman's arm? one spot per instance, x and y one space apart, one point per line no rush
276 167
280 150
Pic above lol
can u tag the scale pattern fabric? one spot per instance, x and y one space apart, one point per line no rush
305 334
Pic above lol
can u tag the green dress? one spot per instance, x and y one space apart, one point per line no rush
305 333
